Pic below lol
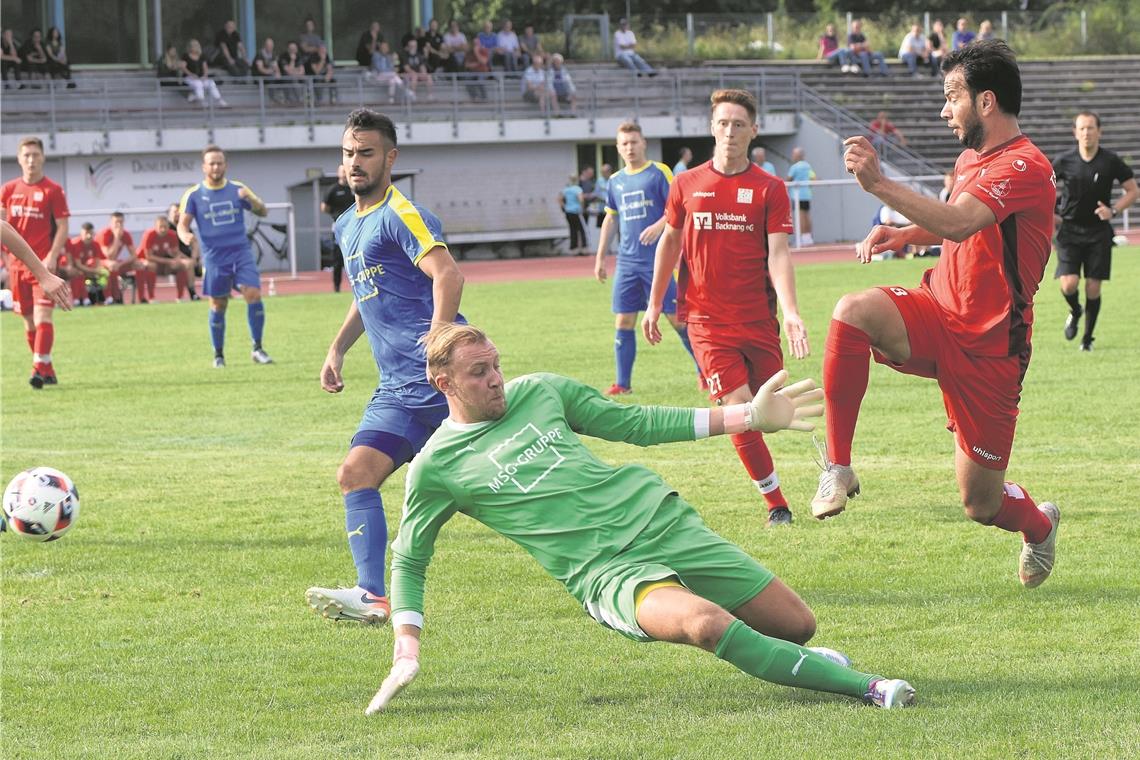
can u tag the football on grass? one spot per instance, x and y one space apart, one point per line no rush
41 504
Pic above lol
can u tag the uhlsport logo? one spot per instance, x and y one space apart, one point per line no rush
525 458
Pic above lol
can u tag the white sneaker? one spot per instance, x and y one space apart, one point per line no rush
837 484
806 238
354 604
1037 559
890 693
221 103
260 357
834 655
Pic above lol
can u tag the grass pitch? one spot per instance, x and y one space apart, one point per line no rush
170 622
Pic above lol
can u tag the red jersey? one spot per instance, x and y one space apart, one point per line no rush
106 238
33 210
986 283
726 220
165 246
87 254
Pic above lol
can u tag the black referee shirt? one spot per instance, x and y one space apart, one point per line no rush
1084 184
339 199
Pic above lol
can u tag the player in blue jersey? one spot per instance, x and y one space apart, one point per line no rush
635 208
217 205
403 281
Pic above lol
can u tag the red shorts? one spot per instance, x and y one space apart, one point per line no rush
734 355
980 392
26 292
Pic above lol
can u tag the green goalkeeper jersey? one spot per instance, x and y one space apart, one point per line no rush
529 477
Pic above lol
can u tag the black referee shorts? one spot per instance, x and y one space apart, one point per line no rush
1087 248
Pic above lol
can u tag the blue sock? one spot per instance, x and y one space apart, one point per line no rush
255 313
683 334
218 330
367 537
625 349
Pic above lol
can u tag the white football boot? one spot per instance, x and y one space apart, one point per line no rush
1037 559
353 604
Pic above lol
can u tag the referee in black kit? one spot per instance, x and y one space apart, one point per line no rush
1084 179
338 200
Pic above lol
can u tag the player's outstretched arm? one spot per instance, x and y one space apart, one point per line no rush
776 406
54 287
405 668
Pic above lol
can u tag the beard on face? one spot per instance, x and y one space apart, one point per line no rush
973 131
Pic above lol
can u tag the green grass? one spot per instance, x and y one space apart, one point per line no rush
170 622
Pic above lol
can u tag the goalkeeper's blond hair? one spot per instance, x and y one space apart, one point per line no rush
441 341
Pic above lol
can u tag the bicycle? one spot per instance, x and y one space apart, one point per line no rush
260 239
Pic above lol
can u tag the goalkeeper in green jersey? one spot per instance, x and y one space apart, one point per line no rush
631 551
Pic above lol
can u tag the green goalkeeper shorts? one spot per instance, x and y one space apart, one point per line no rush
675 544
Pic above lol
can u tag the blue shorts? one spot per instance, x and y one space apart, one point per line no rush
631 292
227 269
398 425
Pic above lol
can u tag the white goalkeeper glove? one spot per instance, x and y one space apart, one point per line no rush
776 407
405 668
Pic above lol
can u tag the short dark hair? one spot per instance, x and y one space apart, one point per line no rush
989 65
117 215
1087 112
88 226
369 120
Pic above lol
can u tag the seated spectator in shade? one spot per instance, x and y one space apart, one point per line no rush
119 251
10 61
413 68
478 64
883 130
310 42
831 51
625 49
507 51
985 30
159 253
34 57
265 67
861 51
962 35
938 45
915 49
431 45
320 68
455 48
57 65
562 83
292 65
529 45
760 158
383 72
683 160
489 41
171 68
197 77
368 44
231 54
536 86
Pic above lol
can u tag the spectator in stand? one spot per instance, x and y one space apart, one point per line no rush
197 77
265 66
938 46
369 44
985 31
413 68
455 48
799 174
188 252
489 41
861 51
683 161
231 53
536 86
415 34
529 45
34 56
160 249
431 45
119 250
507 51
831 51
310 42
292 66
478 64
10 61
171 68
564 89
915 49
883 130
625 50
320 68
57 65
760 158
570 199
962 35
947 187
383 72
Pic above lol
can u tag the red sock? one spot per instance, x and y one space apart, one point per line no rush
753 452
1019 513
31 336
846 365
45 337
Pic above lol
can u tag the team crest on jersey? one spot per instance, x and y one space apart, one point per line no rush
525 458
1020 165
743 195
999 189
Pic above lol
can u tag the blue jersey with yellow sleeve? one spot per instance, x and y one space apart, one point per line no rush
637 198
218 212
382 247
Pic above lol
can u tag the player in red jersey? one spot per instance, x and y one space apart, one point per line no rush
968 324
122 257
87 256
733 220
158 249
37 208
55 288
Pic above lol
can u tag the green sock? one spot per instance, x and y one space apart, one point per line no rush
786 663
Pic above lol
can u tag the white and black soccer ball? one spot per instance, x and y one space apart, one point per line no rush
41 504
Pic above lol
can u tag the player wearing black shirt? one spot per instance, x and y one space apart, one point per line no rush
1084 239
338 199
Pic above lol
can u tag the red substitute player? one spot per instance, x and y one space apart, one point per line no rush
37 208
158 250
733 221
968 324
